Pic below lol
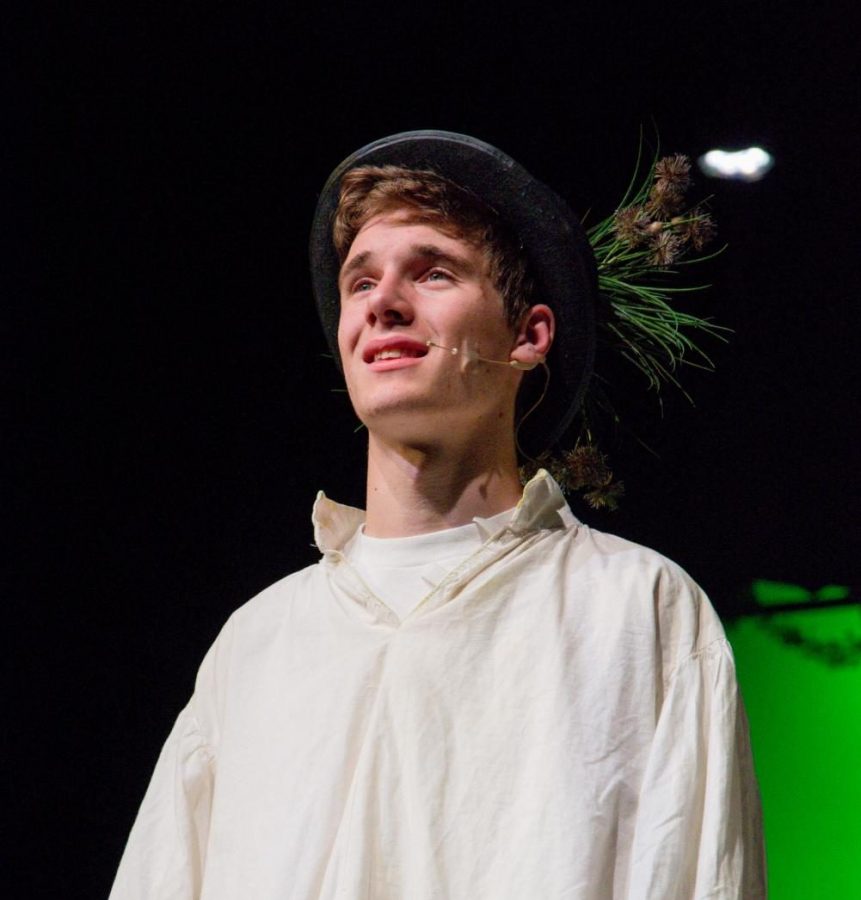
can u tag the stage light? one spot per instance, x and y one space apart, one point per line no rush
740 165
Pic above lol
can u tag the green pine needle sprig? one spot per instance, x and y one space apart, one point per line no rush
637 248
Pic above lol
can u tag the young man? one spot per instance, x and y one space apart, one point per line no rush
472 695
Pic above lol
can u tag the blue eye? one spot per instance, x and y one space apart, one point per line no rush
363 285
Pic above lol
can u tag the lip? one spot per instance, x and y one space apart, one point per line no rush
417 350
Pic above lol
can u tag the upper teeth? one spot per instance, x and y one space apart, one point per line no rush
391 354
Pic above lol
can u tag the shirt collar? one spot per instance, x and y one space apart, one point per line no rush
541 506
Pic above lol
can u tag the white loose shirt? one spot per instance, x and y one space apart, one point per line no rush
558 719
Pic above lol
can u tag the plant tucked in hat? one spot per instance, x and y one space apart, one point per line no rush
635 248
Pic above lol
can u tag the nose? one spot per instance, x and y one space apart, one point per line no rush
388 303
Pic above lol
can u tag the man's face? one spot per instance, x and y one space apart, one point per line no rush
404 284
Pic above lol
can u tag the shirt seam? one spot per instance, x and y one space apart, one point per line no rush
705 650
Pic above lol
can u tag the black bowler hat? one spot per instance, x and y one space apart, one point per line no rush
560 258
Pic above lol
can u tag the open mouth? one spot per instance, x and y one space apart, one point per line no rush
384 351
397 354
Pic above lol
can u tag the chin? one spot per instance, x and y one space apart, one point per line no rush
406 422
395 406
428 428
405 426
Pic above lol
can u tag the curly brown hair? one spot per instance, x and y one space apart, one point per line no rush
430 199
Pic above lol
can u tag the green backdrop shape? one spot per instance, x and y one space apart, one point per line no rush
805 720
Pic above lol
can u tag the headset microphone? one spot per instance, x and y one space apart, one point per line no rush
469 356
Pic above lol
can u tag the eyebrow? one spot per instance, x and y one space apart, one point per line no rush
430 252
355 263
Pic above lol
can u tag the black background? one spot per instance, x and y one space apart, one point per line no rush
172 413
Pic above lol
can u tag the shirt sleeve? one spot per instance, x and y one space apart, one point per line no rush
165 853
698 834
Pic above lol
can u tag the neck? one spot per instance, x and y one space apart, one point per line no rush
416 490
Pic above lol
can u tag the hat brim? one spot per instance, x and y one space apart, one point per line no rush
561 260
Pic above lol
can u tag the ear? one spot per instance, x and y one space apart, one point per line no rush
534 337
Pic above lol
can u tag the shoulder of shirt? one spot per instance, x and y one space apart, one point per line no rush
646 576
297 587
615 549
614 546
257 620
